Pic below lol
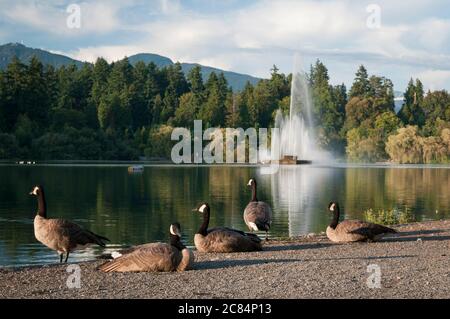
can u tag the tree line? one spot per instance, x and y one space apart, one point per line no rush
119 111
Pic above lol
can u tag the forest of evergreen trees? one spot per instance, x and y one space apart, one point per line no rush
118 111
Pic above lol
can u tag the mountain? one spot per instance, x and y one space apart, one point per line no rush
398 100
159 60
398 94
7 51
236 80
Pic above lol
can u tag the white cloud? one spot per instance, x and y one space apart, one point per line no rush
33 15
434 79
434 34
95 17
100 17
292 24
110 52
170 6
251 38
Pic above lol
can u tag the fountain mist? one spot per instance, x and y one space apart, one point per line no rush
296 131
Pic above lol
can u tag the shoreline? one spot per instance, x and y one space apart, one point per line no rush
414 264
169 163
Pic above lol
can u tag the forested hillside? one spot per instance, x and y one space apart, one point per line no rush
121 111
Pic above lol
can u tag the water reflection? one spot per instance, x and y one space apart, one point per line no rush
133 209
426 191
303 193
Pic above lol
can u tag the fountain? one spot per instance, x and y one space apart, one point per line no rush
294 141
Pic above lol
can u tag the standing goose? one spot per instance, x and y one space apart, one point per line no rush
61 235
257 214
153 257
223 239
353 230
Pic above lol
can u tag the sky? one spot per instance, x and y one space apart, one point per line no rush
397 39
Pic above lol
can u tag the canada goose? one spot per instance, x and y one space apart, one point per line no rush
61 235
153 257
222 239
353 230
257 214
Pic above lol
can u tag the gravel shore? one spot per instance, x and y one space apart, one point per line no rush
414 264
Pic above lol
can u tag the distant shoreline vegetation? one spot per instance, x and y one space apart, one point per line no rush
119 111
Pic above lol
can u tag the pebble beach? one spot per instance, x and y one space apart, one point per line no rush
413 264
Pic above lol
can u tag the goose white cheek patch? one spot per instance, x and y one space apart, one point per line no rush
202 208
174 232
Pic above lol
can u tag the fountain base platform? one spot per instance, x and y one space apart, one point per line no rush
291 160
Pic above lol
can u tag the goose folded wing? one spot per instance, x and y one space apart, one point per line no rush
263 214
127 250
370 230
259 213
77 234
149 257
231 232
353 227
230 235
226 230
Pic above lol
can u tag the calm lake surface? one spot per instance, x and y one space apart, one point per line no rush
138 208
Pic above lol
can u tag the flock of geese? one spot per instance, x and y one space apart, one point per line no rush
65 236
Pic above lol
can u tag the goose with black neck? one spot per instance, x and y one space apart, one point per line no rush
257 214
58 234
153 257
353 230
222 239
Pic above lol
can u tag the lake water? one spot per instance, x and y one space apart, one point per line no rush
138 208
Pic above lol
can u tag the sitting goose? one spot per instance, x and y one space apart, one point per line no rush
223 239
353 230
257 214
61 235
153 257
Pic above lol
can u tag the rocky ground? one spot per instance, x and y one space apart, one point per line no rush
415 264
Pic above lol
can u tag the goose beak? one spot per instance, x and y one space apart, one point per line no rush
195 209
